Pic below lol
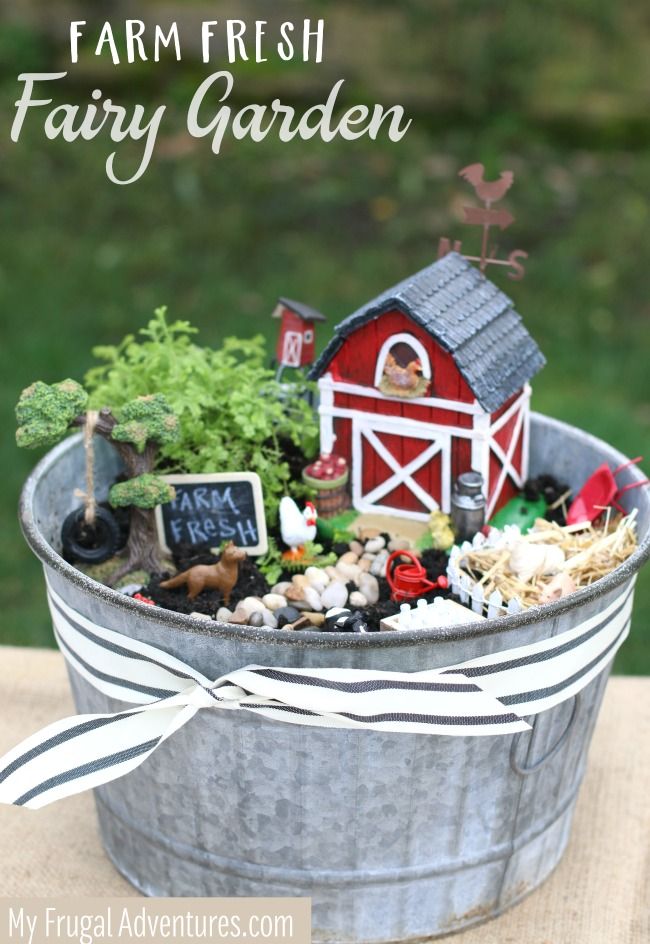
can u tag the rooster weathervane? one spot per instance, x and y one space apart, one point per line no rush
490 192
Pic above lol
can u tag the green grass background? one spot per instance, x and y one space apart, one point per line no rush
558 94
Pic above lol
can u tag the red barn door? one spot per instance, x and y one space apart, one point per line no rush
383 482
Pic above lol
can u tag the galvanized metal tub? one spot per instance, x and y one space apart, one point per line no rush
393 836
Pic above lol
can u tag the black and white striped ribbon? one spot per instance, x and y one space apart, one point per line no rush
490 695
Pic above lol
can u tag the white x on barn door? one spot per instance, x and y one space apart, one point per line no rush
366 430
292 349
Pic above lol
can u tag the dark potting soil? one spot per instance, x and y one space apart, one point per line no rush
551 489
250 583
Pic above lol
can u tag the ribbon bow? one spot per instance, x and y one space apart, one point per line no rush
490 695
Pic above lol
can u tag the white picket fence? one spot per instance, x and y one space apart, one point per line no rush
473 593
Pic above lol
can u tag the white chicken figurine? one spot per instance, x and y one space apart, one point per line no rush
296 527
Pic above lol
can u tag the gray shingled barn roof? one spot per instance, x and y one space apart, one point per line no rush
468 316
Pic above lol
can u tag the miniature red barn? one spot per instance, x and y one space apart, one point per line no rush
425 382
296 343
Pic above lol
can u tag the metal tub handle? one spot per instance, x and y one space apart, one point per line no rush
523 770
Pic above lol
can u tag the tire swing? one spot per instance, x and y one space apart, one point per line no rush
90 534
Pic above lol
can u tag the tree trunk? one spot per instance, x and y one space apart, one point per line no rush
142 550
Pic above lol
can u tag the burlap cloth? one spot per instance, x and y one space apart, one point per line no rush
599 893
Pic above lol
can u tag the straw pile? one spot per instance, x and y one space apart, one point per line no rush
549 561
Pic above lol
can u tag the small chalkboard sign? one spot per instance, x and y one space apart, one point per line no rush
212 508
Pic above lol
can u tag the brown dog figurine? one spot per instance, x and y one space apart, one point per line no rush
220 576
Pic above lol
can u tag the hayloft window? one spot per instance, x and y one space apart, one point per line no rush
403 367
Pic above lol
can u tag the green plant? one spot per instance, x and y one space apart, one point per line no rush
271 563
232 412
46 412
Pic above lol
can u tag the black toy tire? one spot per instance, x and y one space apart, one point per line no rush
107 540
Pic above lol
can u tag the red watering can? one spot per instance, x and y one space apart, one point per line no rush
599 491
408 581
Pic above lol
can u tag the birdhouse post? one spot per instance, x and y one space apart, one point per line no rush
296 345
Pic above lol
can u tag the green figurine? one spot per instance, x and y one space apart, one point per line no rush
520 511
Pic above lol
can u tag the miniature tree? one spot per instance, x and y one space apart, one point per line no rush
46 412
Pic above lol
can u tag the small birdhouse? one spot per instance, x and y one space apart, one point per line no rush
296 343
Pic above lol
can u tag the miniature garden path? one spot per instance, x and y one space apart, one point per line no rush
598 894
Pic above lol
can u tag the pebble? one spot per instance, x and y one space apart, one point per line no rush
336 594
312 597
367 533
304 598
281 588
358 600
331 572
241 616
348 571
364 565
348 558
374 545
369 587
202 616
399 544
295 594
316 619
378 566
300 580
317 578
269 619
273 601
356 547
256 619
287 614
251 605
224 615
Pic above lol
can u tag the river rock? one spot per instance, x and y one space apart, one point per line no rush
273 601
348 571
374 545
378 566
317 578
269 619
331 572
281 587
312 597
256 619
250 605
316 619
399 544
367 533
300 580
358 600
356 547
364 565
336 594
203 616
224 615
369 587
348 558
286 614
241 616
